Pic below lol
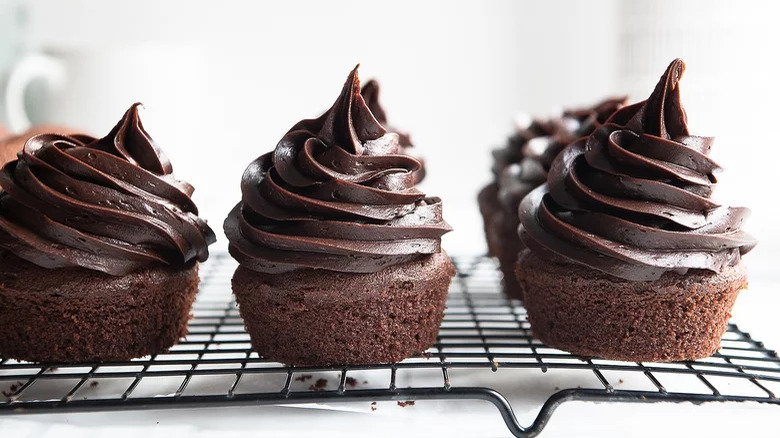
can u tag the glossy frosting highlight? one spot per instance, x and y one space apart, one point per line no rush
337 194
634 198
109 204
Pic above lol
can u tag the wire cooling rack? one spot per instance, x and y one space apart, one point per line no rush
485 338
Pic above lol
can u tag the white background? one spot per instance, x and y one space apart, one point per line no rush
454 74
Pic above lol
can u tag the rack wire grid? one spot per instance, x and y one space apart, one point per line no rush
483 333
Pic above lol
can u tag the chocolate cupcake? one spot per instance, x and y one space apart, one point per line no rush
370 93
340 255
522 166
99 248
628 256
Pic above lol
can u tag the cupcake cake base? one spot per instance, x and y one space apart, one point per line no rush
317 317
502 240
583 311
488 207
79 315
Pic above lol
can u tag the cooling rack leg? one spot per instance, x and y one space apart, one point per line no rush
485 394
505 409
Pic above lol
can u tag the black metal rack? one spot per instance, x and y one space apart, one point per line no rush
482 332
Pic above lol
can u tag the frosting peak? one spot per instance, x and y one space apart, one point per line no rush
336 194
110 205
634 198
349 123
662 113
130 141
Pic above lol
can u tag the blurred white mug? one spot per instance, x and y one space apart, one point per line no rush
90 89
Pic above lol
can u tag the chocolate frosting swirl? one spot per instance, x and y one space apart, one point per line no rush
523 164
335 194
109 204
370 94
542 139
634 198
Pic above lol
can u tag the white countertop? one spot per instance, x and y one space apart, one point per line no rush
440 419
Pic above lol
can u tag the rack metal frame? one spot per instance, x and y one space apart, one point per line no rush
482 329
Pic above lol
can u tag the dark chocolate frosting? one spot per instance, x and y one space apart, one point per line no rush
523 164
370 94
335 194
634 198
109 204
542 139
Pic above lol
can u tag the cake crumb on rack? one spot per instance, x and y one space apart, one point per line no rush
406 403
12 389
319 385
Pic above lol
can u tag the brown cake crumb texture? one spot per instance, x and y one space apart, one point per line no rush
316 317
502 238
351 382
406 403
78 315
583 311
